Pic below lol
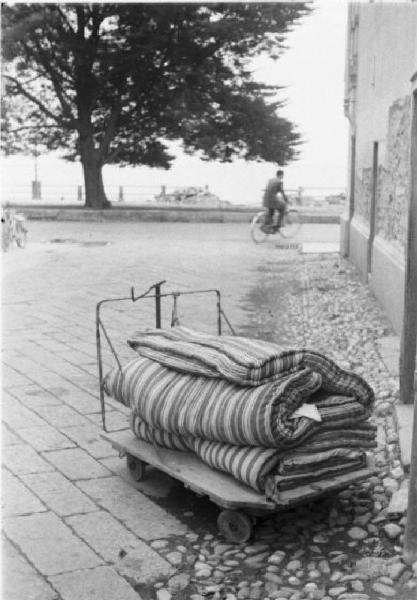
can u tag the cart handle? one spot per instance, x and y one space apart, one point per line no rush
155 286
100 328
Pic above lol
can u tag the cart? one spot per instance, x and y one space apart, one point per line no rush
241 506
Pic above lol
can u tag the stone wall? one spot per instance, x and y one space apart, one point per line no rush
393 176
363 192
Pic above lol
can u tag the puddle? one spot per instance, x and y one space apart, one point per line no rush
269 300
78 242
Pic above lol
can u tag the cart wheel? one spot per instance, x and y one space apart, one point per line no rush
136 467
236 526
254 520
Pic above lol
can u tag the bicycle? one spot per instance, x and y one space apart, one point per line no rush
13 229
290 226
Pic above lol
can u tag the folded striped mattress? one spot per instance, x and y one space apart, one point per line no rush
231 401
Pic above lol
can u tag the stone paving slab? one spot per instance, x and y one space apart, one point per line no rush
33 396
50 379
24 364
88 438
389 344
64 389
20 581
76 464
16 498
8 437
49 544
45 438
24 459
147 520
18 416
83 402
117 545
399 500
59 494
87 382
52 345
404 415
60 413
14 378
115 420
101 583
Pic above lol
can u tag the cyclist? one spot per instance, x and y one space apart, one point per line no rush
272 202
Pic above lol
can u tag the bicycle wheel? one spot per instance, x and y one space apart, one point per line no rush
21 235
5 236
291 225
258 235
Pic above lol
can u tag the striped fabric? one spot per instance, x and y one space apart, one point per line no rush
242 360
156 436
253 465
230 401
250 465
214 409
237 359
304 462
275 483
360 435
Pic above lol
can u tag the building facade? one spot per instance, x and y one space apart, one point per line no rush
380 78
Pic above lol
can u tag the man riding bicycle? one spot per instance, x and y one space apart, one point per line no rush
273 203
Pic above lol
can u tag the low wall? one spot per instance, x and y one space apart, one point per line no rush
358 245
388 267
163 214
387 281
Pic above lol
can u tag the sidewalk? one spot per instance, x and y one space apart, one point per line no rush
389 348
404 414
77 528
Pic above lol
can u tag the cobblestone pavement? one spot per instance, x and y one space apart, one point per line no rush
75 526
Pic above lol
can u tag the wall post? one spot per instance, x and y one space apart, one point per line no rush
408 340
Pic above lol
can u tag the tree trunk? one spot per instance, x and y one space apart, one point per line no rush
92 162
95 196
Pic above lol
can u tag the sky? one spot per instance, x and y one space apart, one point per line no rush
311 71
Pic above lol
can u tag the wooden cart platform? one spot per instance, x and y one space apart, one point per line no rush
240 502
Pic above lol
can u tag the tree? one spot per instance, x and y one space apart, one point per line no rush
112 83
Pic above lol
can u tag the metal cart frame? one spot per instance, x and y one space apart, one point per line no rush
154 292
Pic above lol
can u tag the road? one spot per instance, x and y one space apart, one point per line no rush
76 526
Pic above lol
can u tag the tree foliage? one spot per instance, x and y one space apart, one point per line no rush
112 82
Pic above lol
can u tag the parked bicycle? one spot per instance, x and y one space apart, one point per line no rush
13 229
290 226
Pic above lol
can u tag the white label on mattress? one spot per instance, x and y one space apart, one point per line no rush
307 410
